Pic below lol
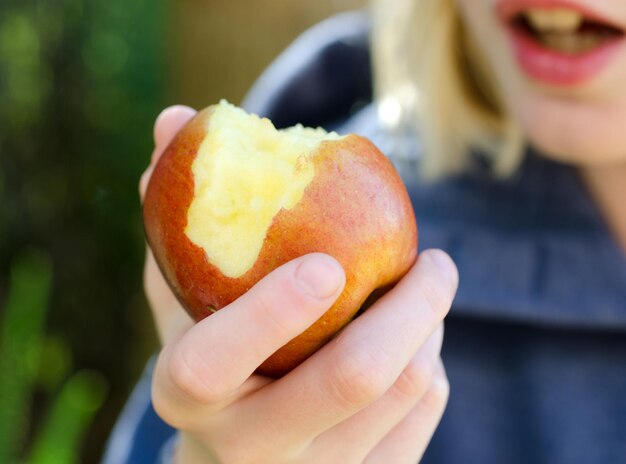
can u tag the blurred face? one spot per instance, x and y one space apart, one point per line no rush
562 67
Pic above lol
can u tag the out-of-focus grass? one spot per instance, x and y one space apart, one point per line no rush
81 82
60 438
29 360
24 314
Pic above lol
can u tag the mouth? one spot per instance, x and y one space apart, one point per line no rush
564 30
559 41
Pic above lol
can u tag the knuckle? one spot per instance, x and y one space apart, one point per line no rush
415 379
162 402
269 314
192 376
434 298
163 409
272 304
358 378
437 294
436 398
170 413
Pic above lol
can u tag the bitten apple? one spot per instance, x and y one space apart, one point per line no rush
232 198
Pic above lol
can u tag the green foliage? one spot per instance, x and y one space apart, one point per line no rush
49 362
80 85
24 313
60 439
24 356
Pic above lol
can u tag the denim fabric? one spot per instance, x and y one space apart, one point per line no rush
140 436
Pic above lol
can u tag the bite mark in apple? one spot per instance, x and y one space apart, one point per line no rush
245 172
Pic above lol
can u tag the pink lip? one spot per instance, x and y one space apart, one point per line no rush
550 66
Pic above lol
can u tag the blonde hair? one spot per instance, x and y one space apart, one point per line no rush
430 76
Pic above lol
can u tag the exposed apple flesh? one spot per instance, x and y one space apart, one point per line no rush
244 173
232 198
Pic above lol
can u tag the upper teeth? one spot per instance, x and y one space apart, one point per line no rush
556 20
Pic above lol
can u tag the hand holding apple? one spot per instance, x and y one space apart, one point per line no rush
232 199
374 393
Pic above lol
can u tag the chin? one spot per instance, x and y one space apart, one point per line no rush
574 132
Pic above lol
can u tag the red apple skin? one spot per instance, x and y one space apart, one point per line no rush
356 209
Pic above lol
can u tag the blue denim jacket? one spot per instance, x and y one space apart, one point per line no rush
535 344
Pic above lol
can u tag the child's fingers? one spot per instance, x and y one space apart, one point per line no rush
166 126
370 425
170 317
408 441
216 356
356 368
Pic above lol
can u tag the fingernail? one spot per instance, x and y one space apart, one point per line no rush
319 276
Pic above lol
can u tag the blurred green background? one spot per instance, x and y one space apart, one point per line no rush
80 85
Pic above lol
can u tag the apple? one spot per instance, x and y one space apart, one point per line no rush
232 198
